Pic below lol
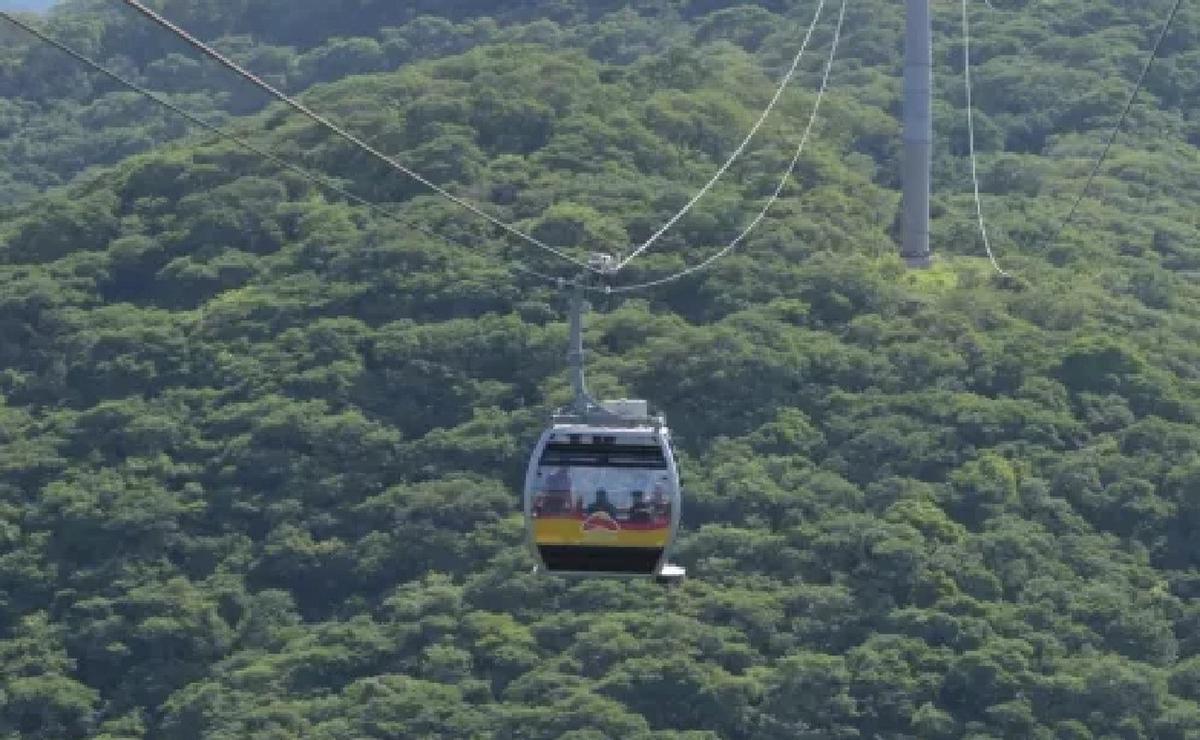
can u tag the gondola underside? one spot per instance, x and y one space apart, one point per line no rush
603 559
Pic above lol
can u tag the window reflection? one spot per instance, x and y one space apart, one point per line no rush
637 498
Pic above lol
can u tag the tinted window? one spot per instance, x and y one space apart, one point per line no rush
565 454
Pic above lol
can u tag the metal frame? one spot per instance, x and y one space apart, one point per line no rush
583 405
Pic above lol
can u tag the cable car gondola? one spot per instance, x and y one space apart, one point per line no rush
602 488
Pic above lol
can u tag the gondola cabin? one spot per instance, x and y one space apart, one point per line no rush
603 498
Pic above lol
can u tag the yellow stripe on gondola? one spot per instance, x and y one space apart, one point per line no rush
555 531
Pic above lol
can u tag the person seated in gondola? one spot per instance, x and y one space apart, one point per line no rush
552 504
559 481
639 510
556 496
659 501
602 504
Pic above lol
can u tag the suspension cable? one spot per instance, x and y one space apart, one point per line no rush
342 133
1112 137
783 85
812 119
987 244
319 180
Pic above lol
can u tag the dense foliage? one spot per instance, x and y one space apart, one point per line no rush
260 449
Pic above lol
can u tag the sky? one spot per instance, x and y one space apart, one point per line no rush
25 4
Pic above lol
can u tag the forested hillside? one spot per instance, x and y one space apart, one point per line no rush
261 448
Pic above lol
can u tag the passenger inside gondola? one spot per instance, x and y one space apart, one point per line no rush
639 510
555 499
552 503
559 481
602 504
660 503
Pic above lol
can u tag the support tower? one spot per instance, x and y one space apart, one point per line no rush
918 132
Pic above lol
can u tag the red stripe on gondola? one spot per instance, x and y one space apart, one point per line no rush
659 523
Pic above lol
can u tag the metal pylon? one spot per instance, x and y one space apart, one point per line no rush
918 132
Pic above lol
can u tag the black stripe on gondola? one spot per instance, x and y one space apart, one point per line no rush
603 456
572 558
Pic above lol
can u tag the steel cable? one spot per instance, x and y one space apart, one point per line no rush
778 189
342 133
987 244
1112 137
787 78
321 181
